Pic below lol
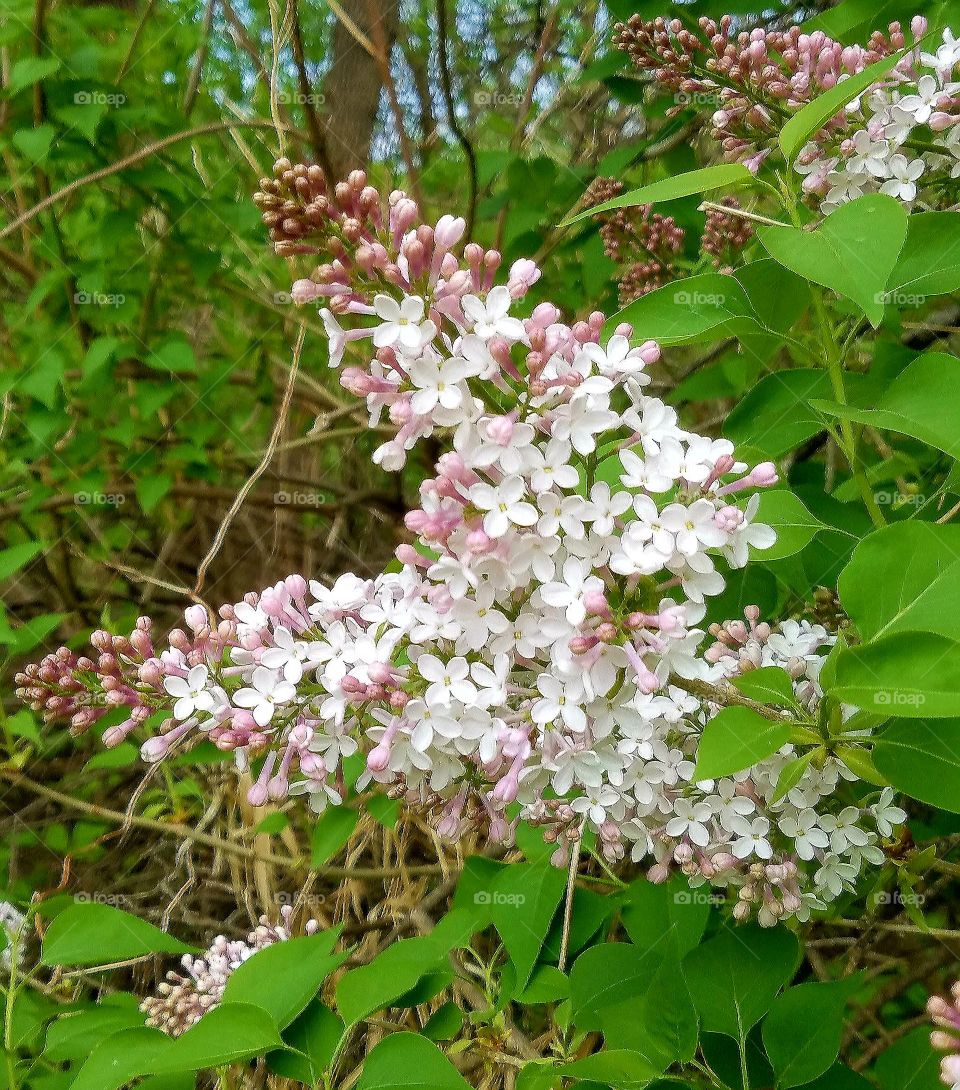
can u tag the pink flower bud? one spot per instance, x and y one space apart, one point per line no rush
478 542
649 352
378 758
524 273
449 231
596 603
258 795
765 474
278 787
154 749
380 673
305 291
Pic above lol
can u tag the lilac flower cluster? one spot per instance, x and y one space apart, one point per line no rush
900 135
184 998
535 653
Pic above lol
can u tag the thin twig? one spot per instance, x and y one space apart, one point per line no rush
446 84
259 471
132 160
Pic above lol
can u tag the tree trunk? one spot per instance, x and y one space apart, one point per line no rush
352 86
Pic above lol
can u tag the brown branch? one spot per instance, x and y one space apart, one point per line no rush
446 85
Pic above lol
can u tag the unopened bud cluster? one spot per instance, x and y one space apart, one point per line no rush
184 998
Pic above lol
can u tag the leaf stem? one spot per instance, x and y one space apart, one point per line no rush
847 431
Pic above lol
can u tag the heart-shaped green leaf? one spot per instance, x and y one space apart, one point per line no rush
853 251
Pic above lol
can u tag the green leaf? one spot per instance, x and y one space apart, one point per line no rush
606 975
118 1059
666 917
734 739
803 1030
525 898
312 1041
910 675
922 759
35 143
17 557
913 404
909 1064
282 979
331 833
775 416
30 70
721 176
400 967
794 524
230 1033
791 774
445 1023
82 117
687 310
151 490
74 1035
904 577
930 261
174 354
735 977
767 684
852 252
618 1068
97 934
547 985
661 1025
812 117
406 1061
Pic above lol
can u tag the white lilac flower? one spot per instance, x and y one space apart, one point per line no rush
491 318
505 504
402 324
190 693
266 691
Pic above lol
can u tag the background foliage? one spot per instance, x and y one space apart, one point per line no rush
148 337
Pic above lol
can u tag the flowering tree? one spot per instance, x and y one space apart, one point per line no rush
592 646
